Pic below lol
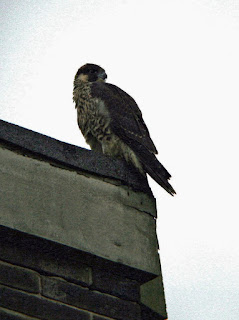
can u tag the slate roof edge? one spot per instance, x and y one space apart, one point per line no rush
33 143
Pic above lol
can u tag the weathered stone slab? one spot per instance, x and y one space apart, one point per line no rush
84 212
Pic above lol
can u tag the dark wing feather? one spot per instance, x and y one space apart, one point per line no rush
153 167
128 124
127 118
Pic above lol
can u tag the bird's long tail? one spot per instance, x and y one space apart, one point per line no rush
154 168
157 175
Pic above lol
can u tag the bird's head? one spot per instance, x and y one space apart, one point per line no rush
90 73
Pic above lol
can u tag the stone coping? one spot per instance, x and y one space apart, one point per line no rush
41 146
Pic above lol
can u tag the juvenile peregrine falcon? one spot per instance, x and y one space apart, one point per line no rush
112 123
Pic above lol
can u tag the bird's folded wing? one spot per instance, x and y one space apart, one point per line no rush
125 116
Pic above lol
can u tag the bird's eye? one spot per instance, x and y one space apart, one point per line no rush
92 71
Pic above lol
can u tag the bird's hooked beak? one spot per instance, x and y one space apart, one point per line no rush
102 75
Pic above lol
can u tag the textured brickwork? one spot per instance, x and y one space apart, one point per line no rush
6 314
42 280
48 297
38 307
94 301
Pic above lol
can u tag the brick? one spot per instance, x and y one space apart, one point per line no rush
12 315
93 301
115 285
38 307
20 278
6 314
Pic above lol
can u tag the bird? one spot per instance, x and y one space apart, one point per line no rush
112 123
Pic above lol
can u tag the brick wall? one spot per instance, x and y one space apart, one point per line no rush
52 297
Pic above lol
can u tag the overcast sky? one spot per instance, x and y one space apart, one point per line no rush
180 62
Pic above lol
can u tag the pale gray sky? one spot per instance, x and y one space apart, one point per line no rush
179 60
